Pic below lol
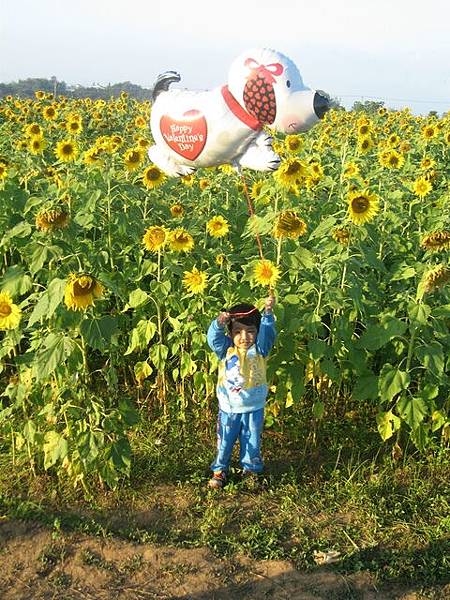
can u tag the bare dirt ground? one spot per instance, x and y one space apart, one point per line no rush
34 564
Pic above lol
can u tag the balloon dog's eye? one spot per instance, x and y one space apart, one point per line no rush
288 83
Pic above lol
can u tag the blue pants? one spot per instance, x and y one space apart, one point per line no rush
248 426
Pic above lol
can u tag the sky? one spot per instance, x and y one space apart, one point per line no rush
396 51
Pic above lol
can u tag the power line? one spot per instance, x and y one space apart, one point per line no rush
393 99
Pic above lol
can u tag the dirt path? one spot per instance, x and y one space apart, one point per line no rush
37 565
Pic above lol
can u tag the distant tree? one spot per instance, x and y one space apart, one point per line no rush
25 88
336 103
369 106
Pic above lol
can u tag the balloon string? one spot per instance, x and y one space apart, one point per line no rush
241 314
251 212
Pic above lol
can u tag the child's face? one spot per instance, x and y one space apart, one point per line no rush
243 336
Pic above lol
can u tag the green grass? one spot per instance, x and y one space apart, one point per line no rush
391 519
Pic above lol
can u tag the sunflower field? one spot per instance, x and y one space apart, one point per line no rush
111 274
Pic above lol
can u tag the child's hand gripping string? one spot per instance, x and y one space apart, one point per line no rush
223 318
269 303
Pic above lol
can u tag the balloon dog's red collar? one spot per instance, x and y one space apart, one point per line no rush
238 111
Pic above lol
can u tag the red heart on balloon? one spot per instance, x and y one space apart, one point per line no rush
186 136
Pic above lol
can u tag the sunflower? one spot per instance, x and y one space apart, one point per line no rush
176 210
391 159
140 122
141 142
195 281
422 187
3 171
93 156
279 148
341 235
436 240
220 259
155 238
74 116
291 172
434 279
266 273
429 132
33 130
50 113
116 140
66 150
293 143
351 169
39 94
203 184
10 313
49 220
315 173
365 144
427 163
362 206
74 127
393 140
36 145
255 192
153 177
188 180
364 129
289 225
227 169
81 291
133 158
217 227
180 240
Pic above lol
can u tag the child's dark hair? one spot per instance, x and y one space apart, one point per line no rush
244 313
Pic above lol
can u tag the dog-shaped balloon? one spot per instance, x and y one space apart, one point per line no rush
225 125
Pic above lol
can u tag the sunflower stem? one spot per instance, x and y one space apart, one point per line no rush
108 207
280 241
85 363
344 270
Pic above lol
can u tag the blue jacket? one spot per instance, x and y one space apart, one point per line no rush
242 383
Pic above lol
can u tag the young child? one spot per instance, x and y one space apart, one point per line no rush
242 386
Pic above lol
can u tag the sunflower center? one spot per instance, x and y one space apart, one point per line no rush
360 204
153 174
266 272
83 286
5 309
67 149
293 169
158 237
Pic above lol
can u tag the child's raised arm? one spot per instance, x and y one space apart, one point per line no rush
267 332
218 341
